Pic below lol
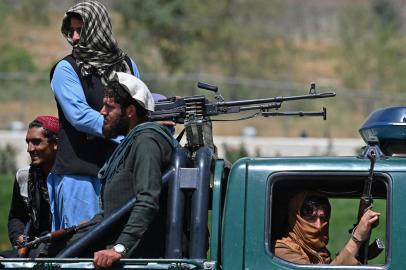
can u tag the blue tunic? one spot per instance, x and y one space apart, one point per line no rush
75 198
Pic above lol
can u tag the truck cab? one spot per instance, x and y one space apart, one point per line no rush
258 192
259 189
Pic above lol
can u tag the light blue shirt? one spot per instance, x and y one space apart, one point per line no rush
70 95
75 198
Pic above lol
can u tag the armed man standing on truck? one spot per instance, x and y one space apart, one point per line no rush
30 214
134 169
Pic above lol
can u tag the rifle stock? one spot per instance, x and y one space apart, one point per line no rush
23 252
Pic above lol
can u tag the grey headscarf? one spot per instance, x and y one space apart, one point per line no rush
97 51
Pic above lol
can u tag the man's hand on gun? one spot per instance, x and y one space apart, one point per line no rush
368 220
21 239
19 242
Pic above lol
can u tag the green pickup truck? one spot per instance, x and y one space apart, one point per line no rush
242 208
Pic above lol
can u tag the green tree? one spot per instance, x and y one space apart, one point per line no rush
34 11
156 23
371 54
6 183
225 37
5 8
7 160
236 39
233 154
15 59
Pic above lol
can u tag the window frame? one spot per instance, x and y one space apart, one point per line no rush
274 181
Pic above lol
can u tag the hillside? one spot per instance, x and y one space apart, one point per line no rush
276 65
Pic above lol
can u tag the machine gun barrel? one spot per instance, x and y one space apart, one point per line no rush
275 99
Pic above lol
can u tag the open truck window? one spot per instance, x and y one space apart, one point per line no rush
343 192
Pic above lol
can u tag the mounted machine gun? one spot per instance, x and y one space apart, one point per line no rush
195 112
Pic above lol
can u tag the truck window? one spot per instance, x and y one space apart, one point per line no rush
342 192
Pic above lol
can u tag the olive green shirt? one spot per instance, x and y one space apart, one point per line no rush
139 175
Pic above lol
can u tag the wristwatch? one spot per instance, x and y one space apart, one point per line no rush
120 249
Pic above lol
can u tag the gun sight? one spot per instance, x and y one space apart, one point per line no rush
207 86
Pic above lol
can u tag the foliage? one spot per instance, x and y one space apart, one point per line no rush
232 154
7 160
157 22
226 37
5 8
248 48
3 13
15 59
6 183
371 54
34 11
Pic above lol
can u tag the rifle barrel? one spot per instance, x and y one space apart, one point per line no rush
56 234
274 99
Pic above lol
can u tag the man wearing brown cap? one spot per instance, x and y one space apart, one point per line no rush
30 214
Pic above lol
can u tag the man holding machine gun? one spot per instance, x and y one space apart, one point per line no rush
133 170
30 214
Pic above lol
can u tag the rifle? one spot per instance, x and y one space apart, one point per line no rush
55 235
195 112
366 251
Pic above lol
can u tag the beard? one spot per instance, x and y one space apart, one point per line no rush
117 127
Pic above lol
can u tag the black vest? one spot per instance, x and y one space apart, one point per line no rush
79 153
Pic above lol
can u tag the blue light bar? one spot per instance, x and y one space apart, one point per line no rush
389 126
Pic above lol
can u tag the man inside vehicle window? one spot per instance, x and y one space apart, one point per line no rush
308 235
